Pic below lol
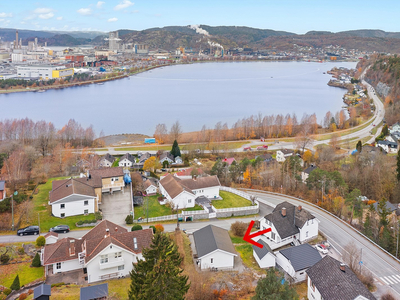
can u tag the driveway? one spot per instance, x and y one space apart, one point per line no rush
117 206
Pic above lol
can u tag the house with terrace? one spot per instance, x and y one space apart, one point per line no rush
289 224
106 251
112 179
183 192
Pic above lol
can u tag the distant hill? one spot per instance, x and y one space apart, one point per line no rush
60 40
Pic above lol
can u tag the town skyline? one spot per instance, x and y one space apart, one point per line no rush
289 15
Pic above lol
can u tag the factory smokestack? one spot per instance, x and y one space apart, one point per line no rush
16 40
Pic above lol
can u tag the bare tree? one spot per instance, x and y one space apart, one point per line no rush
175 131
304 138
352 257
161 133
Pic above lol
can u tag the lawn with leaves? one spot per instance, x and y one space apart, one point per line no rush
230 200
42 210
26 273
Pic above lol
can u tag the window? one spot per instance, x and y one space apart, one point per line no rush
62 206
58 266
273 235
104 259
118 254
313 286
306 233
312 221
301 273
86 202
190 201
86 211
120 268
212 260
62 215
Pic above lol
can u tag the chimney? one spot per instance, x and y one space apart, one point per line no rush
342 267
116 228
299 208
71 247
135 243
283 212
107 232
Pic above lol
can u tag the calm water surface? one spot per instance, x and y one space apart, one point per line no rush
195 95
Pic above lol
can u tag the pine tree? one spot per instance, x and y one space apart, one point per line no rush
175 151
159 275
15 285
36 261
359 146
271 287
383 212
398 166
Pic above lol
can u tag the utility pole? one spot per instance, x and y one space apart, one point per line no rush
147 209
397 244
12 211
361 262
38 215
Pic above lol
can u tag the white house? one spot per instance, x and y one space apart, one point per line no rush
107 160
150 187
72 197
395 127
127 160
288 224
168 157
306 173
296 260
282 154
183 192
107 251
389 147
264 256
2 190
51 238
214 248
178 160
329 279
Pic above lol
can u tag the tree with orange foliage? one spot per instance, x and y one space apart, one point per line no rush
220 295
247 176
159 228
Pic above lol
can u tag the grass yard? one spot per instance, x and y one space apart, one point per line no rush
25 272
41 207
230 200
246 254
144 148
156 209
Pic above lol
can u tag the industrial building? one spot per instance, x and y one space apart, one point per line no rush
44 71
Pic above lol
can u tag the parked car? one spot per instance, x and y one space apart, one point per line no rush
247 149
322 249
60 229
28 230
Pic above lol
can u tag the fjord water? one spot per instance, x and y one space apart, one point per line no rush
196 94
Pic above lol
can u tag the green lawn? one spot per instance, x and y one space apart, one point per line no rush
41 207
25 272
144 148
246 254
156 209
230 200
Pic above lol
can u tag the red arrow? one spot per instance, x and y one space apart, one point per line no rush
248 237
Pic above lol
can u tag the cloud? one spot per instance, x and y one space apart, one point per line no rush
123 4
43 10
59 18
6 15
4 22
46 16
112 20
100 4
84 11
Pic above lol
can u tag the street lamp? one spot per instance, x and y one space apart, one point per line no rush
12 209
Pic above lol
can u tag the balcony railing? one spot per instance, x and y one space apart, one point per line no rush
112 263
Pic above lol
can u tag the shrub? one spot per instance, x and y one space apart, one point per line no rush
159 228
23 296
388 297
40 241
4 258
36 261
129 219
15 286
98 215
21 251
30 292
239 228
7 291
367 279
136 227
154 228
79 222
58 284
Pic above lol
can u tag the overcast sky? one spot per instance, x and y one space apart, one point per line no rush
298 16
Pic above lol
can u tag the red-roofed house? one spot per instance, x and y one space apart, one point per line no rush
187 173
107 251
229 160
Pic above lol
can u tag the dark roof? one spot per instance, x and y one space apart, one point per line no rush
287 151
200 183
333 283
129 157
64 188
42 290
309 169
166 155
211 238
94 291
261 252
109 157
301 257
389 206
288 225
2 184
266 156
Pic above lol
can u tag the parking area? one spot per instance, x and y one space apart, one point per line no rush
116 206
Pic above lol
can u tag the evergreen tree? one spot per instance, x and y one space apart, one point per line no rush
159 275
271 287
385 131
15 285
398 166
36 261
359 146
367 226
383 212
175 151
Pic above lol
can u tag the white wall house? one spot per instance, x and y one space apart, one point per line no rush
106 161
178 160
282 154
288 224
264 256
214 248
51 238
150 187
183 200
107 251
127 160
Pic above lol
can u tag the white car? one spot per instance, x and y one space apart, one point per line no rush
321 249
